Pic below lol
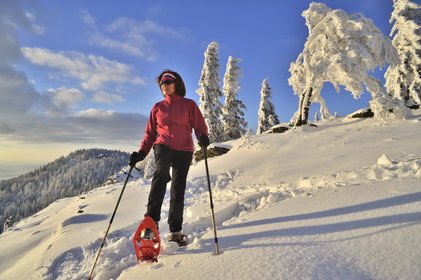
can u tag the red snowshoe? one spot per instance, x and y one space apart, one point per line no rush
146 241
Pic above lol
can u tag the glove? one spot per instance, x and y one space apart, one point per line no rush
135 157
203 141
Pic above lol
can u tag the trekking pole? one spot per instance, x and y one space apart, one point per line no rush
211 202
109 225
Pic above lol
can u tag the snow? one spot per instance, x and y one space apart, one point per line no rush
388 109
341 201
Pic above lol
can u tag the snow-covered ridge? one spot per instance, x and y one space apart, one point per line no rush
340 201
80 171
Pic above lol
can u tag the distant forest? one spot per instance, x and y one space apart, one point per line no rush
80 171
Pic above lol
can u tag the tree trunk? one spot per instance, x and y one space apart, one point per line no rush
299 121
306 108
404 91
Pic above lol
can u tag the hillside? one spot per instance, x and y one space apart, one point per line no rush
70 175
341 201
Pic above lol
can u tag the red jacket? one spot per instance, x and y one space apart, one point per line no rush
171 122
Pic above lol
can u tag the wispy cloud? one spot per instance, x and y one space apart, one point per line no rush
94 73
39 29
61 100
88 19
131 37
105 97
133 29
128 48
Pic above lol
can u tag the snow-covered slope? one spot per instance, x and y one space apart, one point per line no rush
341 201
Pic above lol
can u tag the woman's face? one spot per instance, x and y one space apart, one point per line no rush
168 88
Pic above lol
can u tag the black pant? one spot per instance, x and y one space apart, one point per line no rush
180 162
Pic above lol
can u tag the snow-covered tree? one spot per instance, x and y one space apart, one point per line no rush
342 49
404 80
149 167
266 116
235 125
7 223
210 93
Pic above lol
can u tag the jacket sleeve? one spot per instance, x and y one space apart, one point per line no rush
198 121
150 133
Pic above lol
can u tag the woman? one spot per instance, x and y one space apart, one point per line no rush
169 131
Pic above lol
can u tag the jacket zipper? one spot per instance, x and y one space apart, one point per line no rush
169 122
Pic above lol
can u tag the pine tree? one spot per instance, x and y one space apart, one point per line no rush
404 80
266 116
233 116
210 93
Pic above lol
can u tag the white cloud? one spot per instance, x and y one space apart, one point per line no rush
61 100
94 73
123 47
66 97
131 37
104 97
29 117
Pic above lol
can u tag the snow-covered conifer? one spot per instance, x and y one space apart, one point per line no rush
266 116
233 116
404 80
7 223
149 167
210 93
341 49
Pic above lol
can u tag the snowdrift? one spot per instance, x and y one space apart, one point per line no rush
341 201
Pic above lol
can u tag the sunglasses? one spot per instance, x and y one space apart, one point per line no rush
166 82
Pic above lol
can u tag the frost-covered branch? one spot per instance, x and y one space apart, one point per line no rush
342 49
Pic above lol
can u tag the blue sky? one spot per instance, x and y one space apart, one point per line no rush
84 71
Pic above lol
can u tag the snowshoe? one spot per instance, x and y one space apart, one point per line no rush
178 238
146 241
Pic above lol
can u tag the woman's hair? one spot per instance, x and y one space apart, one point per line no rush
180 88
